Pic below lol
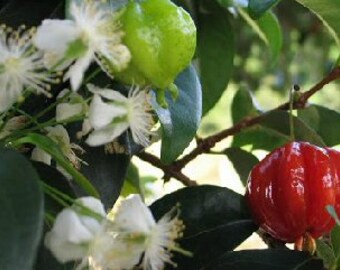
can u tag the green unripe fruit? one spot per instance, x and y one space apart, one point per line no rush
162 39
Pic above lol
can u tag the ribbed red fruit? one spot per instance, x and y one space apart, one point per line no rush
289 190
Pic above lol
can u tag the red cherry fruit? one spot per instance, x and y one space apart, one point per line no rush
289 190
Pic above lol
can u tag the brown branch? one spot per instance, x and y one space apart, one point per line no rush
205 145
169 170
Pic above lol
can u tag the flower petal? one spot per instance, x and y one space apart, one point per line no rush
133 215
107 252
41 156
102 114
65 111
107 93
96 206
64 251
55 35
77 70
107 134
68 226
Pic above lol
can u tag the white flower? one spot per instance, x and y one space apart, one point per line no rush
72 231
112 117
21 67
60 136
71 106
135 237
95 28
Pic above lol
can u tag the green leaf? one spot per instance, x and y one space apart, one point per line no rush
279 122
242 161
182 118
269 259
216 221
274 131
269 30
243 105
328 13
226 3
215 50
29 12
257 8
325 252
259 137
50 147
106 172
335 239
132 182
21 215
324 121
52 177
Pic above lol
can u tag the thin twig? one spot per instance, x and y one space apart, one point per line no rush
169 170
205 145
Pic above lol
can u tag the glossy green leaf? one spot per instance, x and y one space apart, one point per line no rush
324 121
50 147
269 30
242 161
269 259
106 172
210 244
215 55
328 12
216 221
21 215
203 207
183 116
258 8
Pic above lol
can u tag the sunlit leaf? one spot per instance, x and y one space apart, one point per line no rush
182 118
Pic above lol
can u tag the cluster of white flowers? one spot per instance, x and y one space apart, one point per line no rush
95 34
21 67
127 237
32 60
